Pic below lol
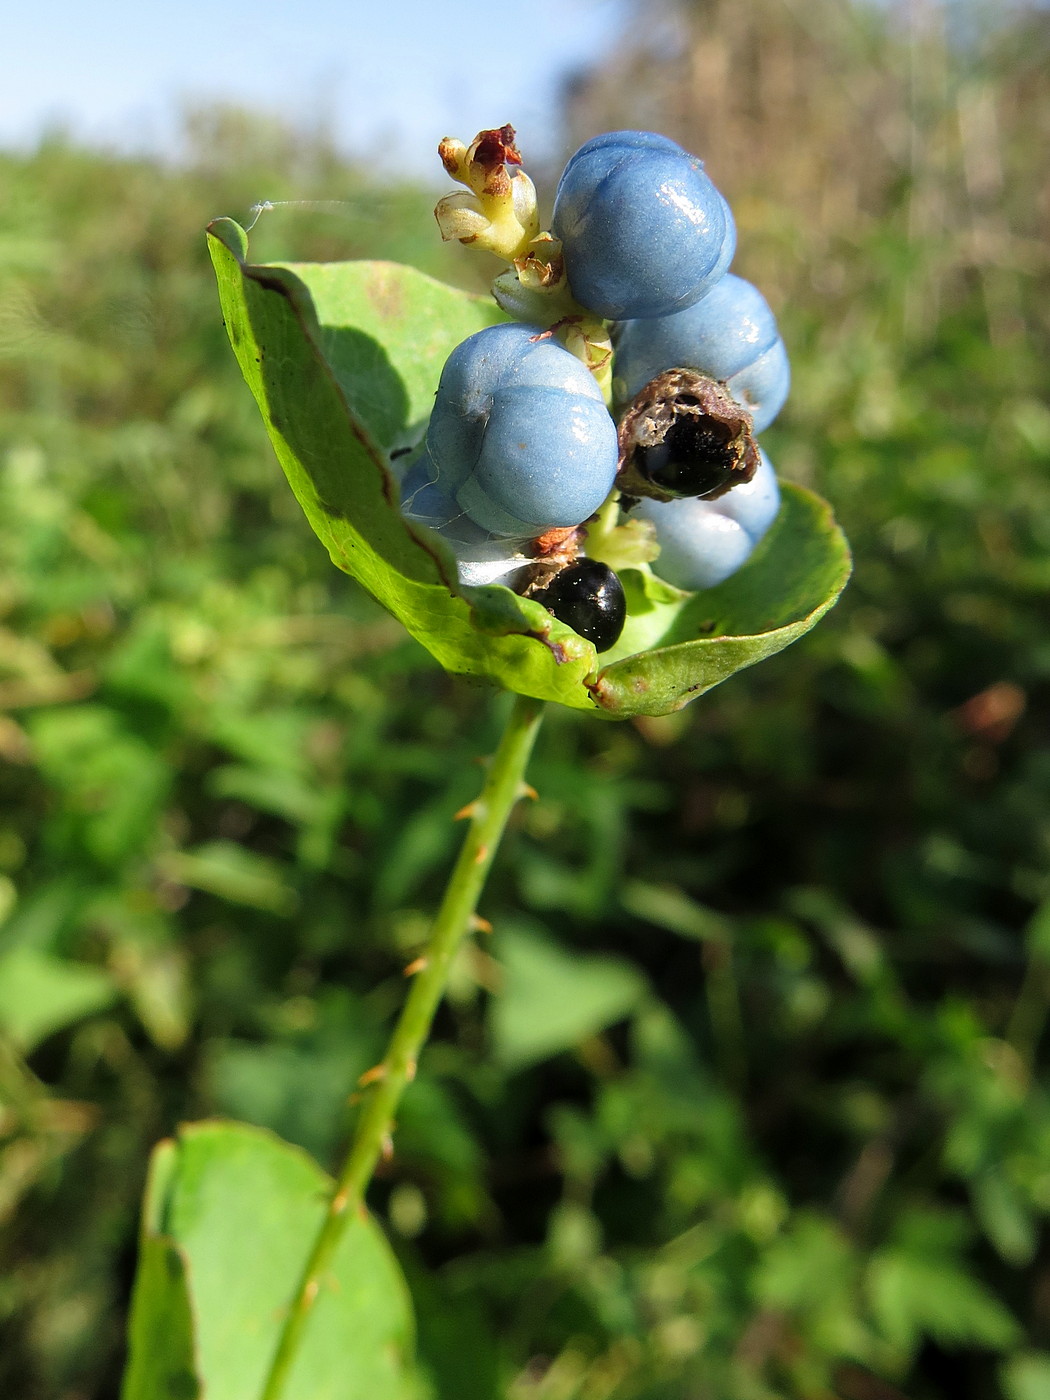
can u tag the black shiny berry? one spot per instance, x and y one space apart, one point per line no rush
697 457
589 598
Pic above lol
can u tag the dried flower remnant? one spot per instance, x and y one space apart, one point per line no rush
497 210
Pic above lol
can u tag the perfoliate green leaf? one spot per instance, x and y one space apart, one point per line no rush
343 360
675 650
229 1218
162 1359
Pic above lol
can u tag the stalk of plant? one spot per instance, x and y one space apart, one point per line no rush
385 1084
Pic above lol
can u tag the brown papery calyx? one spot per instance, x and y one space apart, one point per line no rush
551 552
685 435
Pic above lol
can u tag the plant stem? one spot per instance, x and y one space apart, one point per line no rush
504 784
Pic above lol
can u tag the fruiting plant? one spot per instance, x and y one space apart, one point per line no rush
563 472
518 447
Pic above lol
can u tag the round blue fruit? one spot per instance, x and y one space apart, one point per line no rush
644 231
423 499
729 334
480 558
519 436
703 542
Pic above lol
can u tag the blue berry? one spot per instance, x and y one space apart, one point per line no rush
480 558
703 542
644 232
519 435
729 334
424 499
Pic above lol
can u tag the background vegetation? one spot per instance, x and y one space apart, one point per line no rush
746 1095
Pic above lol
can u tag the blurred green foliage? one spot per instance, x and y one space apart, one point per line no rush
745 1098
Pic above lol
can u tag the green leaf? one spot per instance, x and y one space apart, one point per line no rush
162 1362
1037 934
551 999
676 649
808 1267
229 1217
233 873
810 1271
41 994
668 907
914 1295
343 360
112 783
1005 1215
1027 1376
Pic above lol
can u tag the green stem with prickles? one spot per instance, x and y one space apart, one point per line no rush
388 1081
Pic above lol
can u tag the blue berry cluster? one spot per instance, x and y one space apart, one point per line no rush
629 293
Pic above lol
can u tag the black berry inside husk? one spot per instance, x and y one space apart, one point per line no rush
685 435
695 458
589 598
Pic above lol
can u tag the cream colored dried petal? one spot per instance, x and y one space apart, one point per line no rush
460 215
